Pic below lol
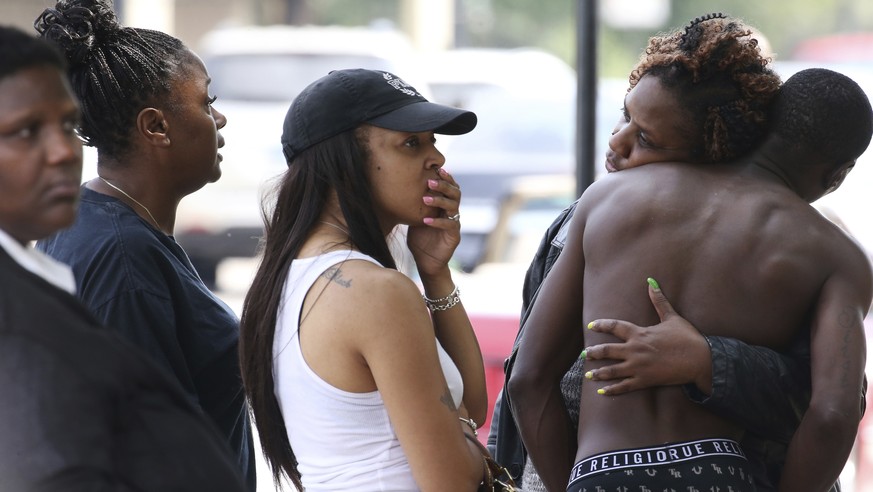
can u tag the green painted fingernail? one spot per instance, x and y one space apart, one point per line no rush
589 375
601 391
591 325
653 283
583 354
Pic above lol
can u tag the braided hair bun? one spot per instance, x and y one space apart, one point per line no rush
78 27
114 70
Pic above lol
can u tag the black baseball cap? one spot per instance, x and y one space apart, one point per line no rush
344 99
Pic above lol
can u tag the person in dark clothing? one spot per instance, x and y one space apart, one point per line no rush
148 111
82 410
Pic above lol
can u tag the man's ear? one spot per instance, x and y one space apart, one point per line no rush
835 177
152 125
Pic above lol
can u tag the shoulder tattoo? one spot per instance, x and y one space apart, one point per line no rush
335 274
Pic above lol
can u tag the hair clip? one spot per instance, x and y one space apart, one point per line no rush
691 37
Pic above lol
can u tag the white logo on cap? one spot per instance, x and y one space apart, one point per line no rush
400 85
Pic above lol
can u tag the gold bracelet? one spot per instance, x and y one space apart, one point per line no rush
471 423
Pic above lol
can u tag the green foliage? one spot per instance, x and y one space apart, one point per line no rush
785 23
352 12
551 24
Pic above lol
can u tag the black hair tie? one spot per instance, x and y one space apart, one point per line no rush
693 32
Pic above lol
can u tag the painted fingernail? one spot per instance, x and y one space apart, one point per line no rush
428 220
432 183
428 200
653 283
443 172
591 325
601 391
589 375
583 354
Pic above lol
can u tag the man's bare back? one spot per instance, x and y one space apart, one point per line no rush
739 256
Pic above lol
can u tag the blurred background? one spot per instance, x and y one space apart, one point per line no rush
515 63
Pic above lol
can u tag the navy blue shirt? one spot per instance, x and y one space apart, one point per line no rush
137 280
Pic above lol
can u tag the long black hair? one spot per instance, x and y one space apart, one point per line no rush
336 165
113 70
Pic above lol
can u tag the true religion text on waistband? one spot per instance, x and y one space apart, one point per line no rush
656 455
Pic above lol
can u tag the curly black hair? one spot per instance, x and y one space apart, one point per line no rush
722 80
114 70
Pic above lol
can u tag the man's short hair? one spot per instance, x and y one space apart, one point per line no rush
19 50
824 115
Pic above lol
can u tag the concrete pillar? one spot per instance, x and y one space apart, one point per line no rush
429 23
633 14
159 15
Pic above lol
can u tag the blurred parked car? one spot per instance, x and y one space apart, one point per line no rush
460 76
844 47
526 103
492 291
256 72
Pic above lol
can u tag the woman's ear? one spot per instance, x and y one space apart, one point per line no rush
153 127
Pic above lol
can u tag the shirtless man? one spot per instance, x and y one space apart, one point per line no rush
744 255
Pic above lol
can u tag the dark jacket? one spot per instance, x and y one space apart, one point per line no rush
139 282
765 391
82 410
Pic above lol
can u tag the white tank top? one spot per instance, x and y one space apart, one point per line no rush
343 441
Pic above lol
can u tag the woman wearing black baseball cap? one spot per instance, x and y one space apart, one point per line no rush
356 382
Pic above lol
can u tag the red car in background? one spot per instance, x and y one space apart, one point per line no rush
492 291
